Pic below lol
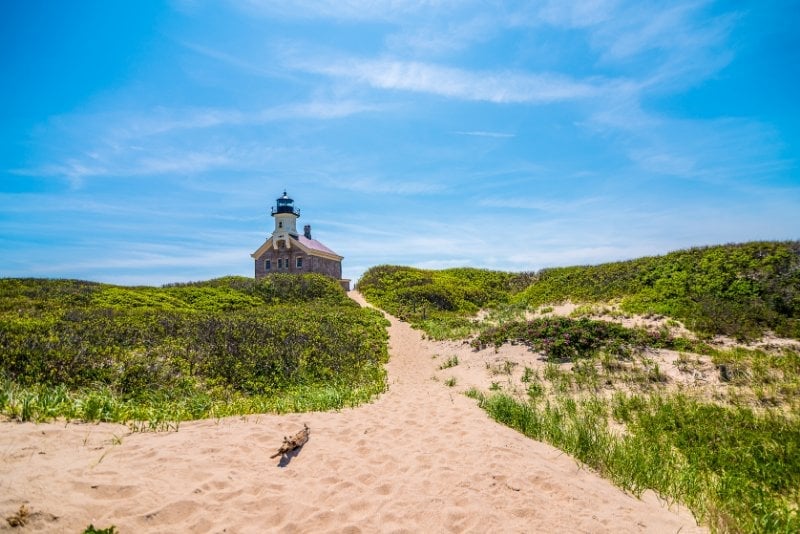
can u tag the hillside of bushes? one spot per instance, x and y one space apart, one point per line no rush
272 344
738 290
434 300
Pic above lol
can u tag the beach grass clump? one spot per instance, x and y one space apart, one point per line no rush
450 362
566 339
91 529
99 352
736 469
766 378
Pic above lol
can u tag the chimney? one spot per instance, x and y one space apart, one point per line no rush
307 231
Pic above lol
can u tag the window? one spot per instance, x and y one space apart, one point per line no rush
299 263
280 224
267 265
280 263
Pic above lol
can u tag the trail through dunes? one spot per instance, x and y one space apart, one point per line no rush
421 458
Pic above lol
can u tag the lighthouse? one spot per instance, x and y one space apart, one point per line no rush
288 251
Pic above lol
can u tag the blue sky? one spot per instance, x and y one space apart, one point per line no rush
144 142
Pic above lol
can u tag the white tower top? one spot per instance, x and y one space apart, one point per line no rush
285 221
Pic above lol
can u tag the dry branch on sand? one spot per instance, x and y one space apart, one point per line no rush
20 518
295 442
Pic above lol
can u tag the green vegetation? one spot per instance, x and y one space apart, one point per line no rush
439 302
731 452
450 362
759 378
737 470
565 339
737 290
227 346
724 440
108 530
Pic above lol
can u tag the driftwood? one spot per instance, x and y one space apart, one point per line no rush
294 442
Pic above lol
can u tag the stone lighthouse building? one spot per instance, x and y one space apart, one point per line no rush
287 251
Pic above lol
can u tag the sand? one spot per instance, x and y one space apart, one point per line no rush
421 458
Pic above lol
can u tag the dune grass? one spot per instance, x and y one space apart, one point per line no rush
731 453
737 470
158 411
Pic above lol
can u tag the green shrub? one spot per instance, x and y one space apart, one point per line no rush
225 336
565 339
437 301
737 290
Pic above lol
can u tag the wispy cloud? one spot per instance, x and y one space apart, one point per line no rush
384 186
719 151
351 10
175 142
150 267
237 61
478 133
501 87
451 33
575 14
147 123
538 204
115 164
149 258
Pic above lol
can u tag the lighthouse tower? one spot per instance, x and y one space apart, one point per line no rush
286 217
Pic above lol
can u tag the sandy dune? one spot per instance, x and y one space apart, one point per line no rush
422 458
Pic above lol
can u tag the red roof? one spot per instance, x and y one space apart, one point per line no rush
314 244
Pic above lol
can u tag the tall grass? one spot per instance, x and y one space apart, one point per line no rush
157 411
737 471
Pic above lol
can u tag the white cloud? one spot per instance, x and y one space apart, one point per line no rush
444 35
577 14
501 87
659 162
539 204
385 186
158 142
351 10
479 133
114 164
133 125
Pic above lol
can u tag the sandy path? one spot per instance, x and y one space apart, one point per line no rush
422 458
